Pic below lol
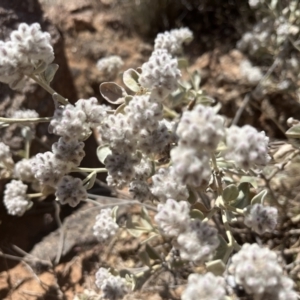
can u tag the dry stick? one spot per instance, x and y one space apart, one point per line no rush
62 233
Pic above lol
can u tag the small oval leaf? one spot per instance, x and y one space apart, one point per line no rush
112 92
217 267
103 152
50 72
230 193
196 214
130 79
294 132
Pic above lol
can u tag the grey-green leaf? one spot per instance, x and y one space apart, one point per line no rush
131 79
50 72
230 193
112 92
217 267
294 132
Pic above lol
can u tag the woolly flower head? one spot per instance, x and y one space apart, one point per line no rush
23 171
70 122
247 147
252 74
200 128
139 190
198 242
154 141
173 40
110 65
94 112
144 112
204 287
28 46
5 156
112 287
15 199
47 169
160 73
191 167
261 218
173 217
120 168
24 114
69 150
256 269
105 226
165 185
117 132
70 191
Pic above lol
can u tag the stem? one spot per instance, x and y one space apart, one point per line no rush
36 195
90 170
170 113
22 121
210 214
49 89
27 148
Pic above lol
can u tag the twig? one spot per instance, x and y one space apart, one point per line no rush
62 233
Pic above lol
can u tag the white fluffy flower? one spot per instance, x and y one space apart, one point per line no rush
120 168
112 287
110 65
5 156
173 217
144 112
261 218
160 73
191 167
154 141
173 40
200 128
143 170
256 269
15 199
198 242
139 190
70 191
71 122
69 150
247 147
117 132
204 287
165 185
28 46
47 169
24 114
23 171
105 226
252 74
94 112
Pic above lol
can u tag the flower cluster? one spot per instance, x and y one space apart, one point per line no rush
5 156
105 226
252 74
23 171
160 74
247 147
27 48
15 199
165 185
173 40
110 65
112 287
198 242
70 191
256 269
261 218
172 217
204 287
